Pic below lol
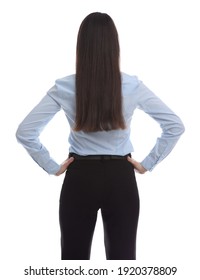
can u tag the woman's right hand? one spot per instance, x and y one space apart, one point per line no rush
137 165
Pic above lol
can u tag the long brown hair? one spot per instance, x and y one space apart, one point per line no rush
98 78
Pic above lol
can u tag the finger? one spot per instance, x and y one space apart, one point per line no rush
130 159
69 160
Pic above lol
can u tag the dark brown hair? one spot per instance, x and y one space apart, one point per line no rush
98 78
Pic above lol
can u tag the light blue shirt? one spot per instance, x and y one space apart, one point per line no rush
115 142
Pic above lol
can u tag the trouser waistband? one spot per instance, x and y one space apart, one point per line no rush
98 157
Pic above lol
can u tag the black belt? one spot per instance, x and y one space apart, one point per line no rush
97 157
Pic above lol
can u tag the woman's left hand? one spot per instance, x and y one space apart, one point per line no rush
137 166
64 166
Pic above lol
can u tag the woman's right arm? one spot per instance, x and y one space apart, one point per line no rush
171 125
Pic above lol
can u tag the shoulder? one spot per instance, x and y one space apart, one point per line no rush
129 83
63 88
66 83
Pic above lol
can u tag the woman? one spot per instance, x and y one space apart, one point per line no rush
99 102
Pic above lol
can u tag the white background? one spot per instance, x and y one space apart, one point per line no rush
160 44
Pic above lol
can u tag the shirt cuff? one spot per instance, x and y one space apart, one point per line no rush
52 167
148 164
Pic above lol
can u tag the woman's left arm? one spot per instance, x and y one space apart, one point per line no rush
31 127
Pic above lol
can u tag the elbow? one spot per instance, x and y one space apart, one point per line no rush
25 136
178 129
181 128
175 130
19 134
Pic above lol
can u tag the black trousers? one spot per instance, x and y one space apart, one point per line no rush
90 185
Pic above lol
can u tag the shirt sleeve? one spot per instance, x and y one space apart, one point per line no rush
31 127
171 125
